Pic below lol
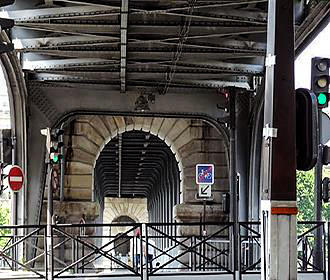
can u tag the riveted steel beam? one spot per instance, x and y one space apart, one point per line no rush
220 4
137 75
201 60
119 164
123 43
64 41
183 82
58 12
196 32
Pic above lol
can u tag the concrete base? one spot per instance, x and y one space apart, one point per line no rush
278 241
72 211
184 213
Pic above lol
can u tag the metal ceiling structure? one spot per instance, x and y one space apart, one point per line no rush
156 45
150 44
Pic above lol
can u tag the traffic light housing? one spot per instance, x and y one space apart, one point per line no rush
325 189
5 146
56 143
306 129
320 80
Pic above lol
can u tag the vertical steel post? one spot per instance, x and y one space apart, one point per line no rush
46 254
141 251
62 166
242 152
49 223
278 197
14 215
328 238
233 182
318 254
146 253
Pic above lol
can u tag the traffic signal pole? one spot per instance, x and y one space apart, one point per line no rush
278 197
320 86
318 252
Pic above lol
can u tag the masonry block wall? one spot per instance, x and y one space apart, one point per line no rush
191 141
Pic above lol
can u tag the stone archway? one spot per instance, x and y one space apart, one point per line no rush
122 244
134 208
191 141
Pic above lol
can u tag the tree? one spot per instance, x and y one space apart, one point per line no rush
305 198
4 220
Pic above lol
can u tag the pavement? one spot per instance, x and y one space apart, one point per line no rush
121 275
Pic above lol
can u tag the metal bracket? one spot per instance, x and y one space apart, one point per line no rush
270 60
269 132
223 120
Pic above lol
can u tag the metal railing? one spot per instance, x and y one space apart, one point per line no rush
21 237
306 233
250 244
194 247
154 249
250 247
92 253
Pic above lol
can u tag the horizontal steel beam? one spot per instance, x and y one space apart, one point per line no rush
196 32
59 12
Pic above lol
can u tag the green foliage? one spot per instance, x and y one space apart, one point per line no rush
4 220
305 197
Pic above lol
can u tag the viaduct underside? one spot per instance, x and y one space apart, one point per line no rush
143 91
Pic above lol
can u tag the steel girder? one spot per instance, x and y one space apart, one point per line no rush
142 36
117 37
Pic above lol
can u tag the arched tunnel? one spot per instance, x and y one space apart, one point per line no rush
137 164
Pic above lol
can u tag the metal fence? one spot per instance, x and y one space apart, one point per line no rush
199 248
146 250
15 243
306 236
93 248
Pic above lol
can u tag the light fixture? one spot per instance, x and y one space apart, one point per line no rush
142 104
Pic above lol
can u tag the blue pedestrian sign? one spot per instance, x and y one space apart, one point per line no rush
205 174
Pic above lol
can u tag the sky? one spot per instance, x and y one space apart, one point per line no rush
319 47
4 103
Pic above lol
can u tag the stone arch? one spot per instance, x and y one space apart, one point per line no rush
167 129
135 209
191 141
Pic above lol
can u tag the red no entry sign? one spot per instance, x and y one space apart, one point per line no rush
15 178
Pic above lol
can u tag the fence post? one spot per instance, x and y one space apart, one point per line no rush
46 254
146 253
141 251
328 238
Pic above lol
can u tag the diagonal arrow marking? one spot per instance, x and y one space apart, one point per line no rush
204 190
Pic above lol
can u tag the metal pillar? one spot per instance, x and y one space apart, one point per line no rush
278 205
318 252
242 152
14 210
50 264
233 184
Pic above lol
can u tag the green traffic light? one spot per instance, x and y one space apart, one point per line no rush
55 159
322 99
